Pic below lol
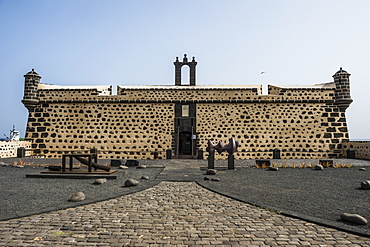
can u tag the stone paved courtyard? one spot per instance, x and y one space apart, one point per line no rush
170 214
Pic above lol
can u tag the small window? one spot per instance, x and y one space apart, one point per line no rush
185 110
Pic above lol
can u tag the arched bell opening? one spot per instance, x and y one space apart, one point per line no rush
178 68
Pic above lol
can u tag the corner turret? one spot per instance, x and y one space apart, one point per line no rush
342 89
31 83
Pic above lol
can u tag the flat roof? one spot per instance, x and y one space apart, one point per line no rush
321 85
102 90
223 87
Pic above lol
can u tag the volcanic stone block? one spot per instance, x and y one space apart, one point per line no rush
116 163
55 168
131 182
100 181
211 172
353 218
319 167
79 196
132 163
365 185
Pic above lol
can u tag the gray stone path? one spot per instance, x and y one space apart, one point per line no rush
181 171
169 214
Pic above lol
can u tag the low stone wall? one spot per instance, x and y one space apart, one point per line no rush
9 148
362 148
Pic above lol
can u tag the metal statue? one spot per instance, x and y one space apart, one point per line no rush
231 148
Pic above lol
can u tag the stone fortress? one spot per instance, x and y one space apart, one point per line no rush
146 122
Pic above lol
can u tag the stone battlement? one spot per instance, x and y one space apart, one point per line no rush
194 93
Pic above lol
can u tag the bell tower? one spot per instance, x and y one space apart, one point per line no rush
178 66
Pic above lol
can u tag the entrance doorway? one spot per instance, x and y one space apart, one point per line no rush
185 143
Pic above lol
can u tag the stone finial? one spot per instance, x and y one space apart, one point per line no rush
32 73
185 59
341 71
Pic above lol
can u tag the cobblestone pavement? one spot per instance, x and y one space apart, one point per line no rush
169 214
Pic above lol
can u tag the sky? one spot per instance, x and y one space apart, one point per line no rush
119 42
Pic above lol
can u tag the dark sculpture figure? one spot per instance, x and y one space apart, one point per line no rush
211 147
220 147
231 148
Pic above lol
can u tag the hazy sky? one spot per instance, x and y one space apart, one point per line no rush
108 42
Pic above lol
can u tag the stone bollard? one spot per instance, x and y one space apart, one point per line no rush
351 153
169 154
211 161
231 162
155 155
21 152
200 154
276 153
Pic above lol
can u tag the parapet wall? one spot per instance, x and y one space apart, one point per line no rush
189 93
9 148
54 93
322 91
186 93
